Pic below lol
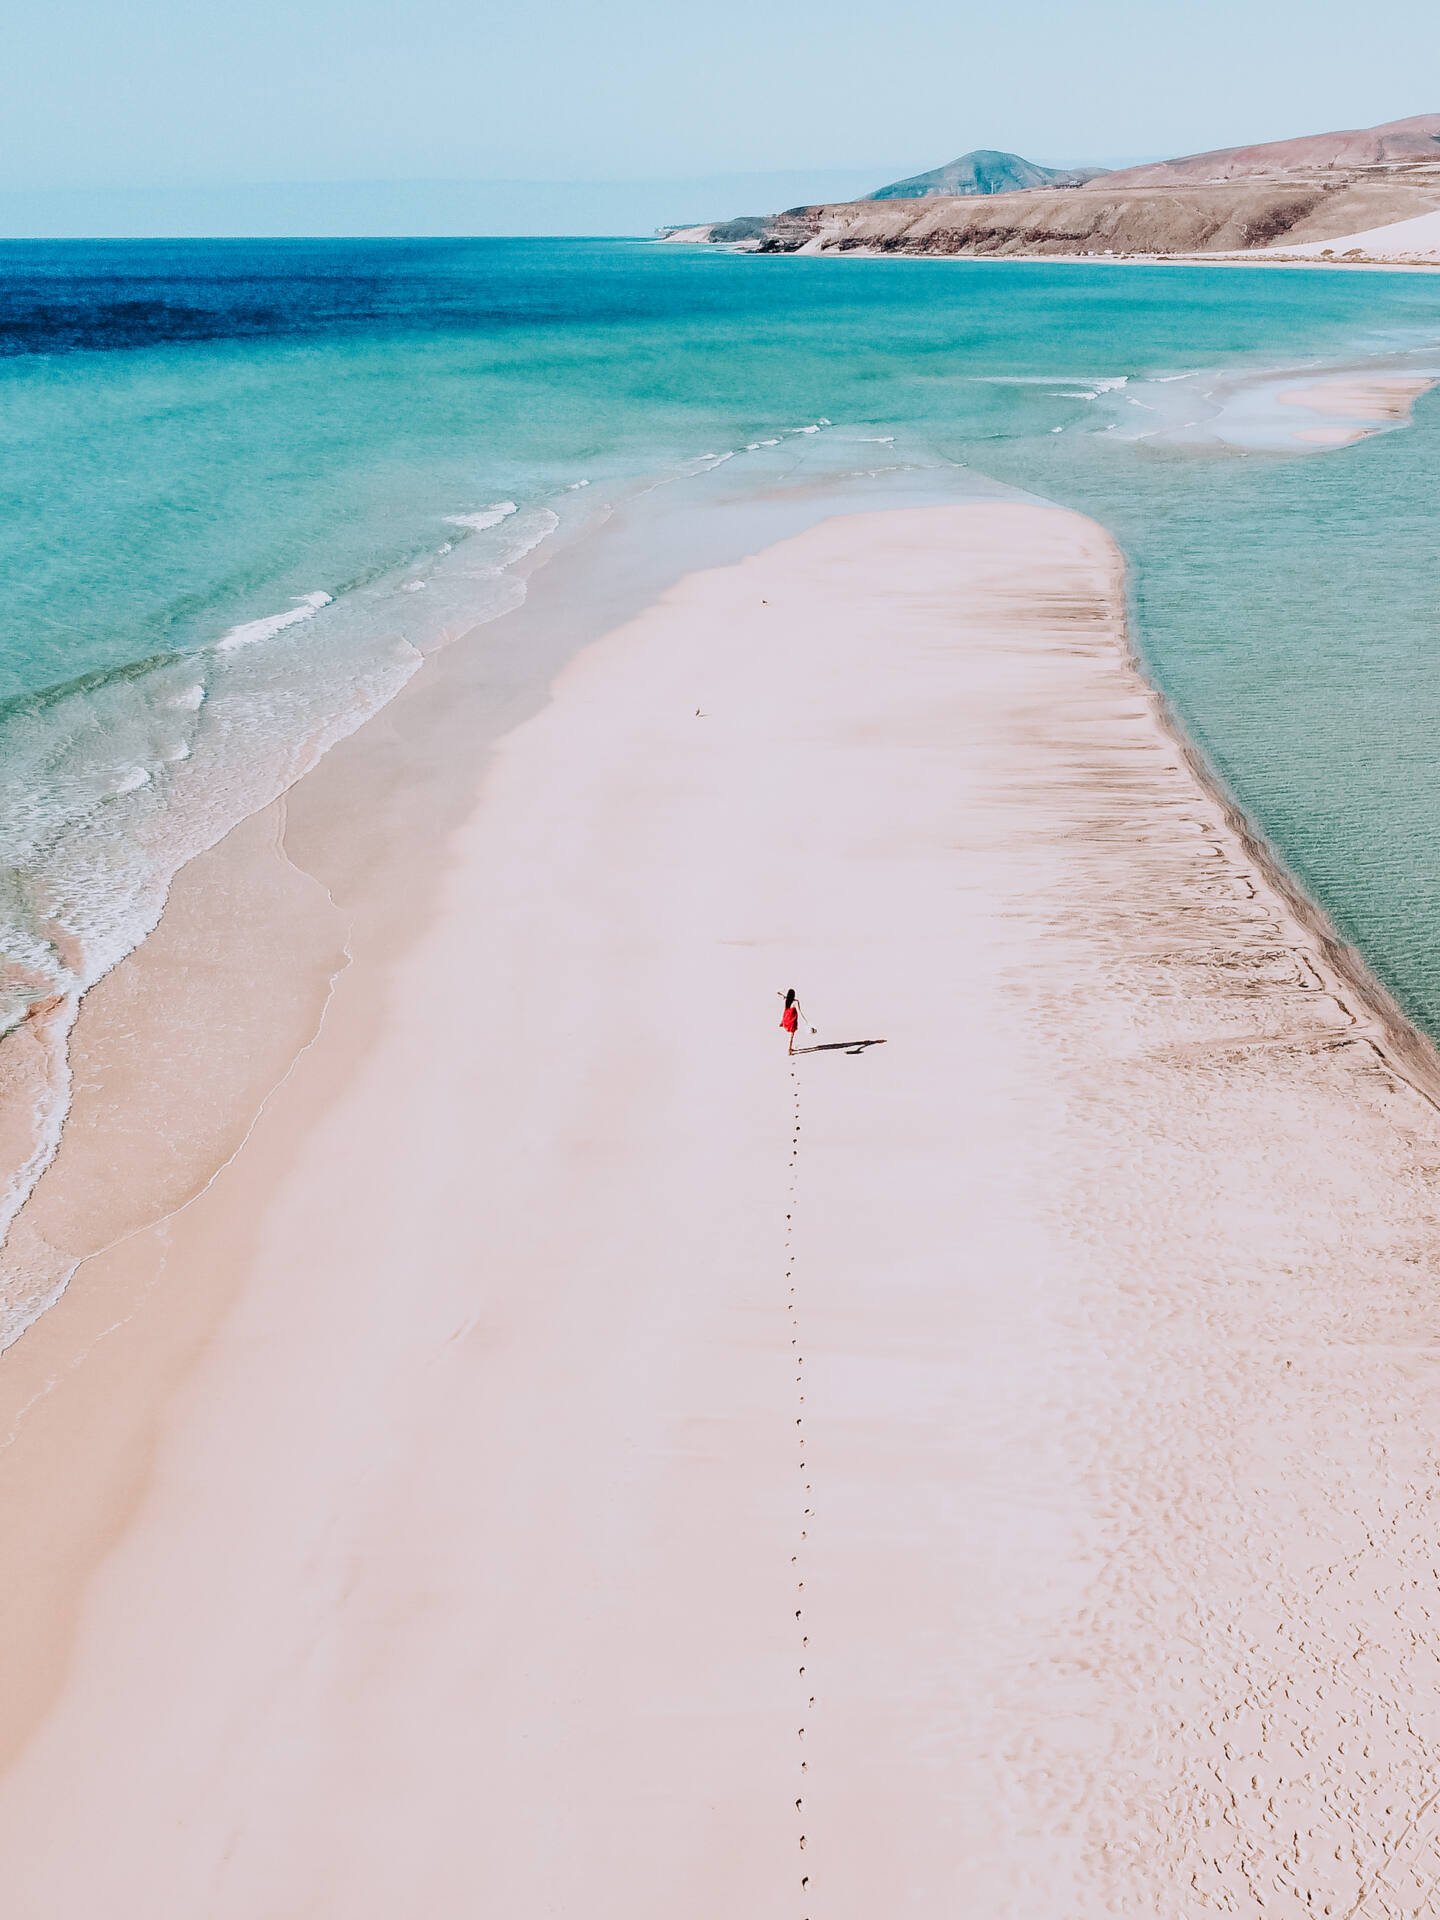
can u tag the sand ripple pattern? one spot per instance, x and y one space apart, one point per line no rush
1246 1181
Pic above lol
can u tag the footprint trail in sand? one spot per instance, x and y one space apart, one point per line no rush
796 1558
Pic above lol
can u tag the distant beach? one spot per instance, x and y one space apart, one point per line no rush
1260 257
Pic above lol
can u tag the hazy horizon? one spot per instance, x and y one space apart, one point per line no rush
165 119
412 208
420 209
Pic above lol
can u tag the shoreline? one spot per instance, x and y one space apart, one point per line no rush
1374 265
376 1410
309 832
1406 1049
221 993
45 1276
334 860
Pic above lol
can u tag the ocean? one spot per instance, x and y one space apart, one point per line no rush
247 486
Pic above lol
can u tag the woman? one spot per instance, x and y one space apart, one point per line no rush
792 1016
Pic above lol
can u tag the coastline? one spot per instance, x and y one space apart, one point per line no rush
374 1403
347 865
343 838
163 818
1404 1048
1373 265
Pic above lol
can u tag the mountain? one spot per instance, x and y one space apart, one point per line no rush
984 171
1396 143
1283 193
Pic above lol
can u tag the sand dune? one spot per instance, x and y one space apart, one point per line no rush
1400 240
574 1460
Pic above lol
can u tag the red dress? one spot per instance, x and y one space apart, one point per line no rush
790 1020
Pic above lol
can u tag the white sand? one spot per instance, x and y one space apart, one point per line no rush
1354 404
463 1555
1415 240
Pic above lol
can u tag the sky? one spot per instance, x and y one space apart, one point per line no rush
255 117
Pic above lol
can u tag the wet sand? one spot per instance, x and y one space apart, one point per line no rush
573 1459
1371 401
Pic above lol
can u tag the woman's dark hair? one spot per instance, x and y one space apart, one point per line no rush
790 998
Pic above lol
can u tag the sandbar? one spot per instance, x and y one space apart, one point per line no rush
574 1459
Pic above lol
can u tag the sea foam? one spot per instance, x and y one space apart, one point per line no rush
487 516
248 632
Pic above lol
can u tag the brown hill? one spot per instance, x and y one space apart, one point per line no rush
1397 142
1220 217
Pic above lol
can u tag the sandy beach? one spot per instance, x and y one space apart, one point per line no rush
572 1459
1372 401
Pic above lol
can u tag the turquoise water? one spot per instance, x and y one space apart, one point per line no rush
195 432
246 485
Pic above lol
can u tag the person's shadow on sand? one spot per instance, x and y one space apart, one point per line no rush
841 1046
